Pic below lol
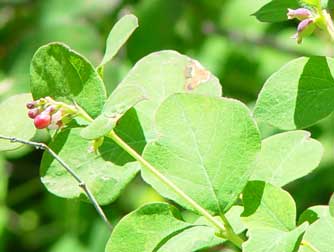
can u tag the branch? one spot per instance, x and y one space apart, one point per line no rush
81 183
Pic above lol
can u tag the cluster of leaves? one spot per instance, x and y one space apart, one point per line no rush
169 109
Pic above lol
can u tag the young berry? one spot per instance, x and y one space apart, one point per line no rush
31 105
32 113
42 120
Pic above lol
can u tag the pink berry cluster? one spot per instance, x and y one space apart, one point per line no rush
306 25
46 113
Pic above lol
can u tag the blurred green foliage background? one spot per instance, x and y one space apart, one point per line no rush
221 34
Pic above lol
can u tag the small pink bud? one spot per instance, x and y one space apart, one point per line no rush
42 120
300 13
305 28
49 109
32 113
31 104
56 120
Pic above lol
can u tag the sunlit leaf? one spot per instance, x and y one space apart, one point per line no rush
275 10
59 72
206 147
286 157
298 95
267 206
106 173
145 229
273 240
118 35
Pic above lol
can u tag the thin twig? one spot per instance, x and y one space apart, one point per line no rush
81 183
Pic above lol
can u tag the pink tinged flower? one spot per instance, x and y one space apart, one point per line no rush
56 120
32 113
300 13
42 120
305 28
31 105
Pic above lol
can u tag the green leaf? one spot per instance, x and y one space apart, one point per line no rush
275 10
315 3
161 74
267 206
120 101
234 217
59 72
298 95
319 236
313 213
146 229
286 157
106 173
15 121
118 35
192 239
273 240
331 205
199 149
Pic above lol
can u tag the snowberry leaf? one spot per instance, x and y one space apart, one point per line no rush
206 146
273 240
162 74
106 173
275 10
59 72
118 35
146 229
267 206
192 239
298 95
120 101
314 3
313 213
319 236
234 217
286 157
15 121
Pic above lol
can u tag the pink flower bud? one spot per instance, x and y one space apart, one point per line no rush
49 109
32 113
56 120
42 120
31 105
300 13
305 28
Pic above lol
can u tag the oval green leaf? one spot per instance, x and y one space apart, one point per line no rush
319 236
267 206
298 95
145 229
162 74
286 157
206 147
106 173
118 35
59 72
273 240
275 10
